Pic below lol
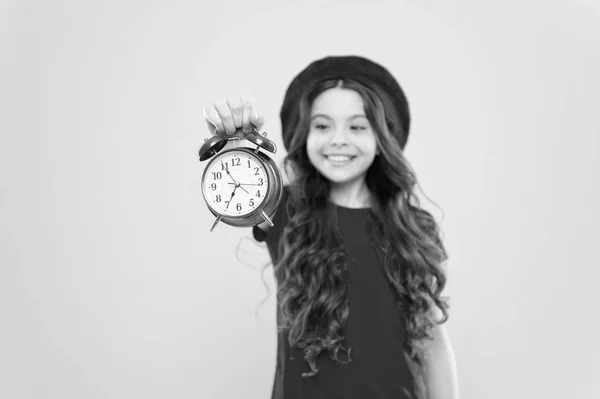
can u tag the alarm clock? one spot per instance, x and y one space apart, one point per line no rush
242 186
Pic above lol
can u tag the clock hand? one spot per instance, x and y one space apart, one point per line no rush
237 184
230 198
248 184
227 170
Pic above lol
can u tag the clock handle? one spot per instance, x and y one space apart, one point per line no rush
217 220
264 215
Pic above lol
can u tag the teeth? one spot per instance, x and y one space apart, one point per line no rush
339 158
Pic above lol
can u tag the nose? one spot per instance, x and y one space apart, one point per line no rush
338 137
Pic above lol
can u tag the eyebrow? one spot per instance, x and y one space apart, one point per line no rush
329 117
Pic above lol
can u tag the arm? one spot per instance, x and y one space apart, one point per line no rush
441 379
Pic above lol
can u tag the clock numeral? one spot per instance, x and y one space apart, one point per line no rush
236 162
218 197
238 206
226 204
217 175
213 186
258 193
251 202
260 181
256 171
249 164
223 166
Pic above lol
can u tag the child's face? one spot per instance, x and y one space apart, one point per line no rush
335 128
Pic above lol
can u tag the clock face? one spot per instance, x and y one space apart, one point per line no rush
235 183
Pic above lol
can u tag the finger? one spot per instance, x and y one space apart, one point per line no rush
257 120
247 102
213 120
222 108
235 105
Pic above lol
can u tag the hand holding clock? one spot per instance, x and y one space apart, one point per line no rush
247 165
228 114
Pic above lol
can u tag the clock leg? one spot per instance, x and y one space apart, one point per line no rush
264 215
217 220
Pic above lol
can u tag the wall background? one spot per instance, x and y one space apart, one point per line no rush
111 285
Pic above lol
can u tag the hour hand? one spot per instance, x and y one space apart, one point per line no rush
230 198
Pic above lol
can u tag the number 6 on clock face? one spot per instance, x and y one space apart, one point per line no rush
235 183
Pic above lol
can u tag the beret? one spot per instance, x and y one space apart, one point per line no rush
357 68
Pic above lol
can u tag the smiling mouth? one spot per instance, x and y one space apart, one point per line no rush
339 159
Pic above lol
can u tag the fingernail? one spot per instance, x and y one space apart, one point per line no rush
255 115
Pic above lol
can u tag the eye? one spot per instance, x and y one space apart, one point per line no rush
320 127
357 127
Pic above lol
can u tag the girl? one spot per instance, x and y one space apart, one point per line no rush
358 263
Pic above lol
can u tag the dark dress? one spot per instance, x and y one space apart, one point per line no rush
375 329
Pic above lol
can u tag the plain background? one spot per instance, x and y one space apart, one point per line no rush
112 286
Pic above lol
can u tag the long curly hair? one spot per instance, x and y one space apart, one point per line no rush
311 291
